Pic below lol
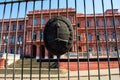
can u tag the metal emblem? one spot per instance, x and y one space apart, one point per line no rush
58 35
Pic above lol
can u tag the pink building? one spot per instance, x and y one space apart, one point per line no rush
21 42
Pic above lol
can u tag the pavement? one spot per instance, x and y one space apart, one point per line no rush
72 75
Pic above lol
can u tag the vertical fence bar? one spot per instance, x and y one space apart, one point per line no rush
7 44
24 41
68 63
48 53
4 8
40 57
106 38
87 46
76 22
58 3
96 34
115 30
32 39
58 56
16 39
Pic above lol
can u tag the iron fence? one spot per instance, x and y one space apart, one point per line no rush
96 42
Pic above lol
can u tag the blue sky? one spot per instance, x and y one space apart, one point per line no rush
71 4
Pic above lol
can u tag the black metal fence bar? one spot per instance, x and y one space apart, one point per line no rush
116 36
24 41
96 34
106 38
86 31
8 36
16 41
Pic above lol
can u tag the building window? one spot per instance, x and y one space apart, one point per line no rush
104 23
20 27
98 36
99 49
34 21
14 28
20 39
89 37
34 35
88 24
97 23
113 23
106 36
43 21
5 50
19 50
118 21
5 38
113 35
114 48
42 36
0 28
69 19
7 28
12 51
107 49
79 37
90 49
13 39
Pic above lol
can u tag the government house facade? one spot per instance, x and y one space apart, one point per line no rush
93 33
